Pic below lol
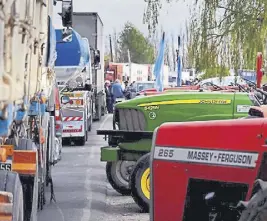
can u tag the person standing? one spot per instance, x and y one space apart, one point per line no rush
117 90
109 102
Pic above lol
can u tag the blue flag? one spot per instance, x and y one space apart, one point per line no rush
159 64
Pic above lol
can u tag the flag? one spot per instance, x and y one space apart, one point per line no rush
159 64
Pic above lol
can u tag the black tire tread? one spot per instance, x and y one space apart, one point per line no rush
119 188
142 164
10 182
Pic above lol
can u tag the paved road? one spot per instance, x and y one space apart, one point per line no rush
81 188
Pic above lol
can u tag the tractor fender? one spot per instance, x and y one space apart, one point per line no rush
152 152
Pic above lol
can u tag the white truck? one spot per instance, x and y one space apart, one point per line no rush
27 105
89 25
76 117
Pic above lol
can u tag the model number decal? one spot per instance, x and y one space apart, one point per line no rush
165 153
215 101
150 108
216 157
242 108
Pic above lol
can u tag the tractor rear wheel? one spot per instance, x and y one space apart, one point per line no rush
10 182
256 207
118 174
140 182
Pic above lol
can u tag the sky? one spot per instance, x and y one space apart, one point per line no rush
115 13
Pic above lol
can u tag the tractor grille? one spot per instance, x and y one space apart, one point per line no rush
130 119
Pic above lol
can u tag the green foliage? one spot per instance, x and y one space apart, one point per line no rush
225 33
141 50
219 71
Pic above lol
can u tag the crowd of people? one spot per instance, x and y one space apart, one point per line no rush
113 91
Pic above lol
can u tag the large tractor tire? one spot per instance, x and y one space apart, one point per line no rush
31 193
118 173
256 207
140 183
10 182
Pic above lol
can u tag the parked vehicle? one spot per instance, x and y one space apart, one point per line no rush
27 110
77 117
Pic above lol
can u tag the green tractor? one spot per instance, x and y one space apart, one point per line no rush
129 143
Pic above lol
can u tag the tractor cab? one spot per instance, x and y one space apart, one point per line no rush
201 170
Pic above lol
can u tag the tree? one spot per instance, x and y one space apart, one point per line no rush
141 50
225 33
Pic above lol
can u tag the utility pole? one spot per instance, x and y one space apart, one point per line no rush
110 45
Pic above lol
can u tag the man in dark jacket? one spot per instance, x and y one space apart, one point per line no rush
108 97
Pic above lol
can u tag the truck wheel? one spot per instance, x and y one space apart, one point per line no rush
10 182
80 141
256 207
118 174
140 182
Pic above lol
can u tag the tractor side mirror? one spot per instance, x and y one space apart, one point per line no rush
255 112
65 99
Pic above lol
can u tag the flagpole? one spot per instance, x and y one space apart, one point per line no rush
179 63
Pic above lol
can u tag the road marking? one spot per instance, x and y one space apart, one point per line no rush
88 193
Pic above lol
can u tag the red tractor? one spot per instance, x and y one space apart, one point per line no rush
214 170
202 170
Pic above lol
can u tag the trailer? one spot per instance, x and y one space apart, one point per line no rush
27 106
90 26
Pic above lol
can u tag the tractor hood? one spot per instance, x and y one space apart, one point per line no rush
176 97
148 112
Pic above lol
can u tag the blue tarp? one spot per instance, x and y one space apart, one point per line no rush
51 45
69 53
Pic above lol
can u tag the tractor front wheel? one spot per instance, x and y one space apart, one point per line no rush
118 174
256 207
140 182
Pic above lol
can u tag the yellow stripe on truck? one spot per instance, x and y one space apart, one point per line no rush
192 101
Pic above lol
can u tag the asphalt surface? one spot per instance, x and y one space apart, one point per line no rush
81 187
